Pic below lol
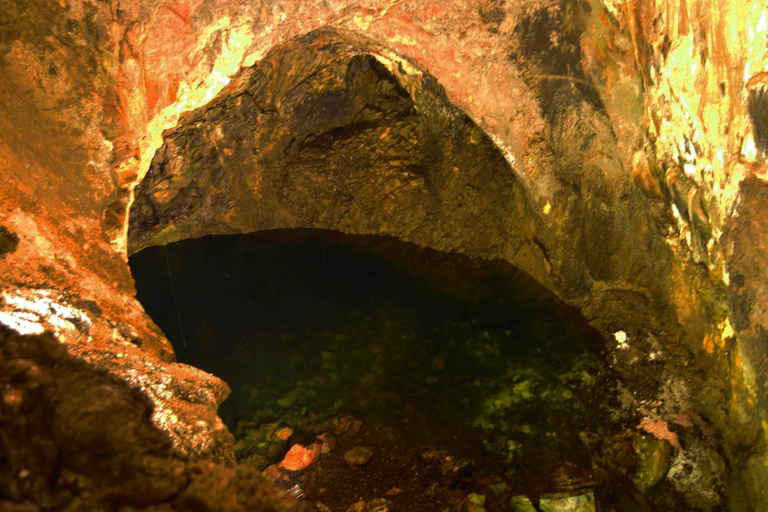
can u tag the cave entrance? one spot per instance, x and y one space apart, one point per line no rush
459 375
367 366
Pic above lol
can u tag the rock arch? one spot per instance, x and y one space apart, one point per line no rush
320 134
631 192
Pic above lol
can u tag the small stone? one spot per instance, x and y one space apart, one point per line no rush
522 504
476 503
299 457
357 507
327 443
377 505
344 424
653 461
380 505
358 456
295 491
580 503
284 433
498 489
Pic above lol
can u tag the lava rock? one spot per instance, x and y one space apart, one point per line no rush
377 505
77 438
580 503
358 456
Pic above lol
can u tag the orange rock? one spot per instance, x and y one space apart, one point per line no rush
284 433
299 457
659 429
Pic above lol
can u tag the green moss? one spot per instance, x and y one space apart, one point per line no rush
653 460
517 396
260 446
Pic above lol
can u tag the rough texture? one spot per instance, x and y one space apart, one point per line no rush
77 438
332 141
634 185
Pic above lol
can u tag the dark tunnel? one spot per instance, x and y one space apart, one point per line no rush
468 366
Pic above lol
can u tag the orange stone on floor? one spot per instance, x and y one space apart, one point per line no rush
299 457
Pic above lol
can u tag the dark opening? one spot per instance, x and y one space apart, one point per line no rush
413 380
458 374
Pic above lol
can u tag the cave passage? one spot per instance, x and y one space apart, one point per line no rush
466 367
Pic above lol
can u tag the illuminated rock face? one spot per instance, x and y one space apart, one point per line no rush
628 181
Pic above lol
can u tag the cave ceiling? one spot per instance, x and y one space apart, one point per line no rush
618 160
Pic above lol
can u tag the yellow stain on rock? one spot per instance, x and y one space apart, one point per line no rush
726 330
709 345
765 430
362 22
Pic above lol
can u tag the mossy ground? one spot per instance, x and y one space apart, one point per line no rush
500 398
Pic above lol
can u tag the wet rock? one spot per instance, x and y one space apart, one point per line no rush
327 443
475 503
498 489
377 505
285 479
263 445
73 76
295 491
698 474
571 480
348 425
653 461
522 504
580 503
78 438
358 456
449 465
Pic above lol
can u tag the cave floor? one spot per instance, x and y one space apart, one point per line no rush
493 393
448 413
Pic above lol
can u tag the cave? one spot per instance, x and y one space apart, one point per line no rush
449 370
323 171
559 204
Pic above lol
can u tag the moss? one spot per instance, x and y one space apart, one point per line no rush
653 460
261 446
522 397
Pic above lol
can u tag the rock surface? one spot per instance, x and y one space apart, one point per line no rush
358 456
634 186
77 438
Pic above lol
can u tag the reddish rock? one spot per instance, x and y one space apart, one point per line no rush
83 82
284 433
299 457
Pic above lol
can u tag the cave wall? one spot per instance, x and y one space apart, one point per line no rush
635 174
